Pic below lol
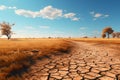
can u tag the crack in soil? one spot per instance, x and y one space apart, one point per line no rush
85 62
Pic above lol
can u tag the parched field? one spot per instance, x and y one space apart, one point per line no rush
113 43
96 60
48 59
17 55
99 40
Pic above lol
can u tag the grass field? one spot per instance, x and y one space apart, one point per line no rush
16 55
113 43
99 40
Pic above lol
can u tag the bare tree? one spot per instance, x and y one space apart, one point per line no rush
6 29
108 31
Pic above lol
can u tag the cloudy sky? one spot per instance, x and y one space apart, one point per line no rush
63 18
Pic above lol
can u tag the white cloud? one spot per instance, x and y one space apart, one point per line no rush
71 16
98 15
75 19
106 15
44 27
50 12
47 12
3 7
26 13
12 7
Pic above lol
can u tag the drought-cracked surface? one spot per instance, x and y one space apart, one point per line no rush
85 62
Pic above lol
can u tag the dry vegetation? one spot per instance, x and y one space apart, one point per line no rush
113 43
99 40
17 55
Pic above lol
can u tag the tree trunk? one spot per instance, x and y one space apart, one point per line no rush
8 36
108 35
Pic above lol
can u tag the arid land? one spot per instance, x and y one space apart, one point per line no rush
60 59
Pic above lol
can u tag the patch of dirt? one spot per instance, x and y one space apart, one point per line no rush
86 62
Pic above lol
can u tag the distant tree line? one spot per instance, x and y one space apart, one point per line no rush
106 32
5 29
116 34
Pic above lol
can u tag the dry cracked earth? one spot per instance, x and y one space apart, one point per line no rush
85 62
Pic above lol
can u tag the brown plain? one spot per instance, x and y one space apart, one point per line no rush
113 43
16 55
99 40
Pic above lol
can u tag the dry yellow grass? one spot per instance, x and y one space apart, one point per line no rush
17 55
113 43
99 40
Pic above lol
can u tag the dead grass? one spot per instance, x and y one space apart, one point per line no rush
111 43
17 55
99 40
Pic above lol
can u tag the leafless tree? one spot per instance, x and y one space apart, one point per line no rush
108 31
6 29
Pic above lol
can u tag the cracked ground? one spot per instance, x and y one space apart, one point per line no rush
85 62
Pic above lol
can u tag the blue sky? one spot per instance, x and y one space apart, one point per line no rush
63 18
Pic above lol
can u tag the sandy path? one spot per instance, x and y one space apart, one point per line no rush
85 62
